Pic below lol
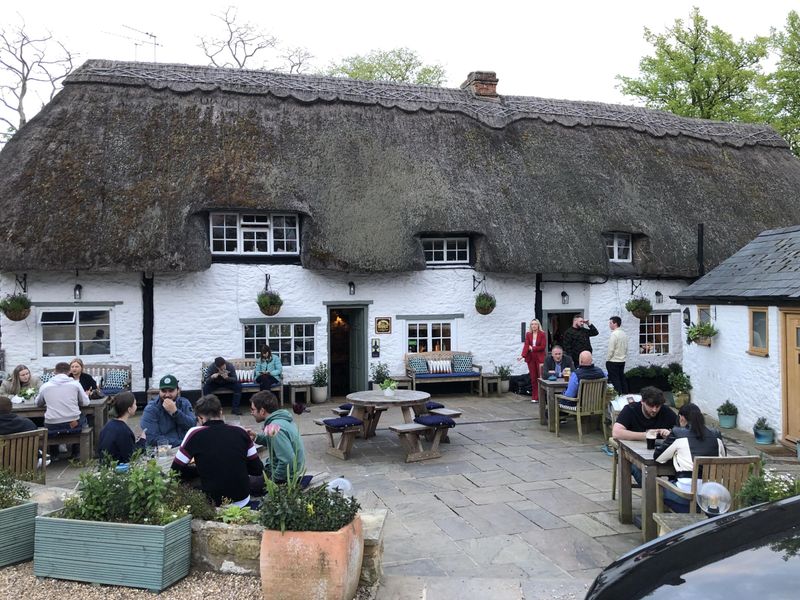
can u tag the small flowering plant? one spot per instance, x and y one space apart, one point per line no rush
768 486
388 384
28 393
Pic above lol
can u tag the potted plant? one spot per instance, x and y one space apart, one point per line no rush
640 307
269 302
312 545
17 516
388 386
726 413
504 371
701 333
680 385
16 307
768 486
319 383
379 372
485 303
136 514
764 434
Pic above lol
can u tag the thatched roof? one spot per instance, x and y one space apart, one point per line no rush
765 271
121 168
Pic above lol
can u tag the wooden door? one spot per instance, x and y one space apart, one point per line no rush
791 379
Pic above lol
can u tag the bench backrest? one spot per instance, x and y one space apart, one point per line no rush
20 452
440 355
730 471
592 396
244 369
100 372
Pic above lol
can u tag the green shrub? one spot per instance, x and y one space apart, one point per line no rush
701 330
485 301
12 491
319 377
762 424
639 304
768 486
235 515
289 508
379 372
195 501
504 371
15 302
266 299
728 408
679 382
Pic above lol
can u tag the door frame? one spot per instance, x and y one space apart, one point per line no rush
364 306
783 318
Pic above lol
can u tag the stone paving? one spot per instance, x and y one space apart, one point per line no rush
508 512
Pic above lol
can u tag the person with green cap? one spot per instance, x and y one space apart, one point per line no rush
168 416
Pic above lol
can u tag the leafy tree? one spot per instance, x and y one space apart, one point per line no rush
401 65
701 71
783 84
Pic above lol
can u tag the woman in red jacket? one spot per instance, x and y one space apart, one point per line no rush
533 353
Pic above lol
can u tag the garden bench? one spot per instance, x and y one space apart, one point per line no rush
245 368
24 454
112 379
442 367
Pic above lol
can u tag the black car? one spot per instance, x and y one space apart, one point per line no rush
752 553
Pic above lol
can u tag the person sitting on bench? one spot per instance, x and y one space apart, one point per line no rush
63 397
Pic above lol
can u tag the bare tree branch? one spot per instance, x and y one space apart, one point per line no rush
296 60
239 46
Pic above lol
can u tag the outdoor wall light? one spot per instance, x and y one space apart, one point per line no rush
352 287
687 317
659 297
77 290
564 298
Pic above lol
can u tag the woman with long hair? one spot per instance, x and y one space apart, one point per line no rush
20 380
117 441
87 382
268 369
692 438
533 353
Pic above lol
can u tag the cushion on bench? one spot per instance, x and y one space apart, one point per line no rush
435 421
116 378
417 364
343 422
430 405
346 406
454 374
440 366
462 362
111 391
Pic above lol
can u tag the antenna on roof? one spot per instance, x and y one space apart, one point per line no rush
137 42
153 38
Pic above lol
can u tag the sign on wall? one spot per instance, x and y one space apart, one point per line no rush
383 324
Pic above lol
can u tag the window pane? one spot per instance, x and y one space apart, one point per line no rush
58 349
654 335
703 314
759 330
57 317
51 333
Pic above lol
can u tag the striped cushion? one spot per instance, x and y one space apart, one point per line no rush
568 405
439 366
462 362
418 364
244 376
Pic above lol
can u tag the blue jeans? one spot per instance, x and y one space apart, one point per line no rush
234 386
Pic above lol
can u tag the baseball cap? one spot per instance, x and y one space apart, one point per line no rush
168 382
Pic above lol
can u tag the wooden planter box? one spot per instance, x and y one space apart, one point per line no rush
142 556
16 530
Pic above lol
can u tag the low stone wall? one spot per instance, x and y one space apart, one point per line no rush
235 548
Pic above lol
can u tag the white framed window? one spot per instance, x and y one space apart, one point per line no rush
446 251
618 247
429 336
254 233
71 332
654 334
294 343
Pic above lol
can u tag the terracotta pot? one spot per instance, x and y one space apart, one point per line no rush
484 310
17 315
271 310
323 565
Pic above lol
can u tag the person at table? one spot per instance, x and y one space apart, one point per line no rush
576 338
224 455
557 361
586 370
533 352
20 382
617 354
286 455
87 382
268 369
222 374
63 397
692 438
169 416
11 422
117 441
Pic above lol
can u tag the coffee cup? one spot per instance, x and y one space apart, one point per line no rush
651 436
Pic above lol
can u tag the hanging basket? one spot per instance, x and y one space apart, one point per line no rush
17 315
484 310
272 309
640 314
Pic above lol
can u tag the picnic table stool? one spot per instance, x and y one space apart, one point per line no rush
403 382
347 427
84 437
489 380
303 387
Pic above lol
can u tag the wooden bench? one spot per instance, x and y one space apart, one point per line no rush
473 376
100 373
24 454
446 412
84 437
249 385
410 438
340 449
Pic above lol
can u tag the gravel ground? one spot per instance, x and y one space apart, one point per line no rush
19 582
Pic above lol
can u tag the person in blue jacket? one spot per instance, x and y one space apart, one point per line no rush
268 369
585 370
169 416
117 441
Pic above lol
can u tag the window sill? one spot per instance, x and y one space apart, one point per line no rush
757 353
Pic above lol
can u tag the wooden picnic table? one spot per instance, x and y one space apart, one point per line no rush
97 409
410 402
636 453
547 400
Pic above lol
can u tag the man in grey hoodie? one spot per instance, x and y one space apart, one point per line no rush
63 397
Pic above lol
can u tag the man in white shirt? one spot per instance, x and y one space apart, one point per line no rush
63 397
617 353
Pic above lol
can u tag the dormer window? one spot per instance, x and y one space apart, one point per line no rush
618 247
254 233
446 250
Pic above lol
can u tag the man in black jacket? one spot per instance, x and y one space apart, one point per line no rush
557 361
222 374
576 338
11 423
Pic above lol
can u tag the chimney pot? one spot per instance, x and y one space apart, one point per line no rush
482 83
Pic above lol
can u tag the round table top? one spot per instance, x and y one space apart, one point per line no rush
377 398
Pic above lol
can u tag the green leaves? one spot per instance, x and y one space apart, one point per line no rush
289 508
12 491
400 65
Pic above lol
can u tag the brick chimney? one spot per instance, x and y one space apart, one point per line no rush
483 84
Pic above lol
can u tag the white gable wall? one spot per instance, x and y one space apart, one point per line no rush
725 371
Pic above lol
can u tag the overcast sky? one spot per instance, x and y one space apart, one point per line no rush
553 49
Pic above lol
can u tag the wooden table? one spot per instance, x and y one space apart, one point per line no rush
97 410
669 522
547 400
488 379
636 453
303 387
410 402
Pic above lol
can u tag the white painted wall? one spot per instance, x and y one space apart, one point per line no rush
197 315
725 371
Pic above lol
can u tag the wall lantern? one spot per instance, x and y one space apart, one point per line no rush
687 317
76 291
352 287
659 297
564 297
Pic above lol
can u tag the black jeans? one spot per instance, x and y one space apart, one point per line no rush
616 376
266 381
